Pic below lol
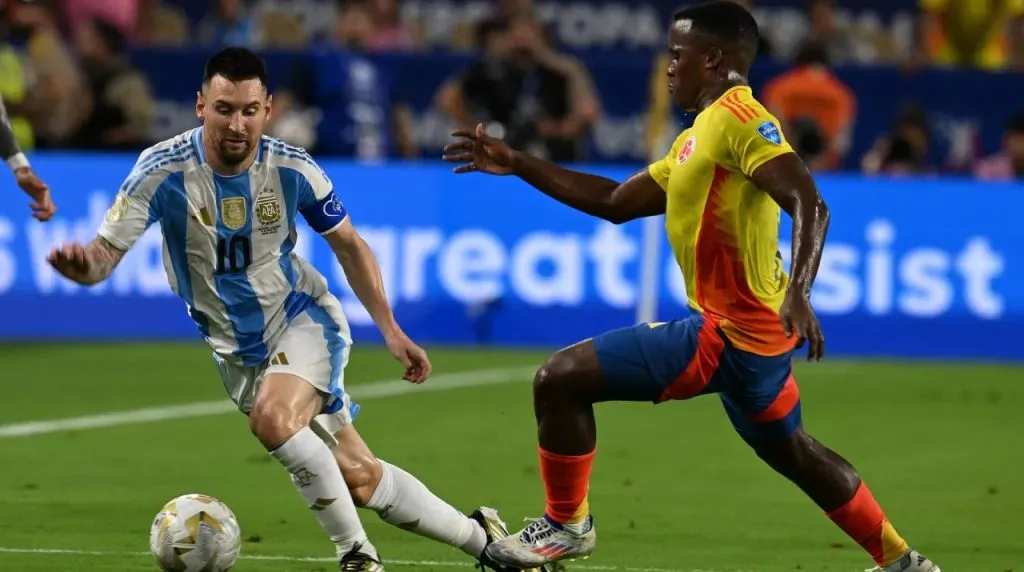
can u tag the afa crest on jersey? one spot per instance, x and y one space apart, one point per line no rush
268 211
268 208
770 132
686 149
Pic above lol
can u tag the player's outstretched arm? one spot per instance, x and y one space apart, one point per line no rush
787 180
639 196
363 275
89 264
135 208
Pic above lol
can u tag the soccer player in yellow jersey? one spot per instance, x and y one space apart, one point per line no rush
721 188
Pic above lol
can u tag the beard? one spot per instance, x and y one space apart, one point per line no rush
231 154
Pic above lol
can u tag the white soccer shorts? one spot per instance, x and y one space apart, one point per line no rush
315 347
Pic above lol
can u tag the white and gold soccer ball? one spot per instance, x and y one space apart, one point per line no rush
194 533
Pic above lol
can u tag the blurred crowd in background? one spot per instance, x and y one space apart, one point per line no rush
373 79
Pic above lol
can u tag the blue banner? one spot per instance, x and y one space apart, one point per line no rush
927 268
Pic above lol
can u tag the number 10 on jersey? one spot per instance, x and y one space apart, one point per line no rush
233 254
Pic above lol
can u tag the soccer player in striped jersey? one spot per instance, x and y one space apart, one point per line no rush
226 199
721 188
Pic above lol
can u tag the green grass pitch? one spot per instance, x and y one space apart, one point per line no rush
674 489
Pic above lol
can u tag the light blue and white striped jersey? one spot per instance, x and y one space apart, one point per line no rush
228 240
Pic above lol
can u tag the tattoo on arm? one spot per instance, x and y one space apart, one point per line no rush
103 257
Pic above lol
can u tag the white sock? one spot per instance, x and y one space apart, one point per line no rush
316 475
403 501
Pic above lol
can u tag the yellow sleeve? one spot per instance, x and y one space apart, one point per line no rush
1015 7
750 141
661 169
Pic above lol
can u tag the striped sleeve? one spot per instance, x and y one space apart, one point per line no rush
752 135
316 199
136 205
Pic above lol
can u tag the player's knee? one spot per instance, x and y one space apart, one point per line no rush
552 379
569 375
284 405
274 425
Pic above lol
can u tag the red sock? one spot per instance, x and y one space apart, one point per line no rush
863 520
566 480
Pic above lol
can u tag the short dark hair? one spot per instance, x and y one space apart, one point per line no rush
726 21
235 64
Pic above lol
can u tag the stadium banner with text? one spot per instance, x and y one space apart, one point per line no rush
926 268
602 25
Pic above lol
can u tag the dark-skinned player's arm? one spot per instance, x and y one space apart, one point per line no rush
787 180
636 197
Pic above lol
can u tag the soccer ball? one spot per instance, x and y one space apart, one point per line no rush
195 533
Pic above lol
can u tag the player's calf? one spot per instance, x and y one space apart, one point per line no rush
565 389
401 500
612 366
834 485
359 466
280 418
823 475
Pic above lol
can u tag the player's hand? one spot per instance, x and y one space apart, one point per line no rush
478 151
798 319
417 365
42 205
72 261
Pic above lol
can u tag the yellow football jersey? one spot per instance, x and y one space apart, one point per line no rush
724 230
